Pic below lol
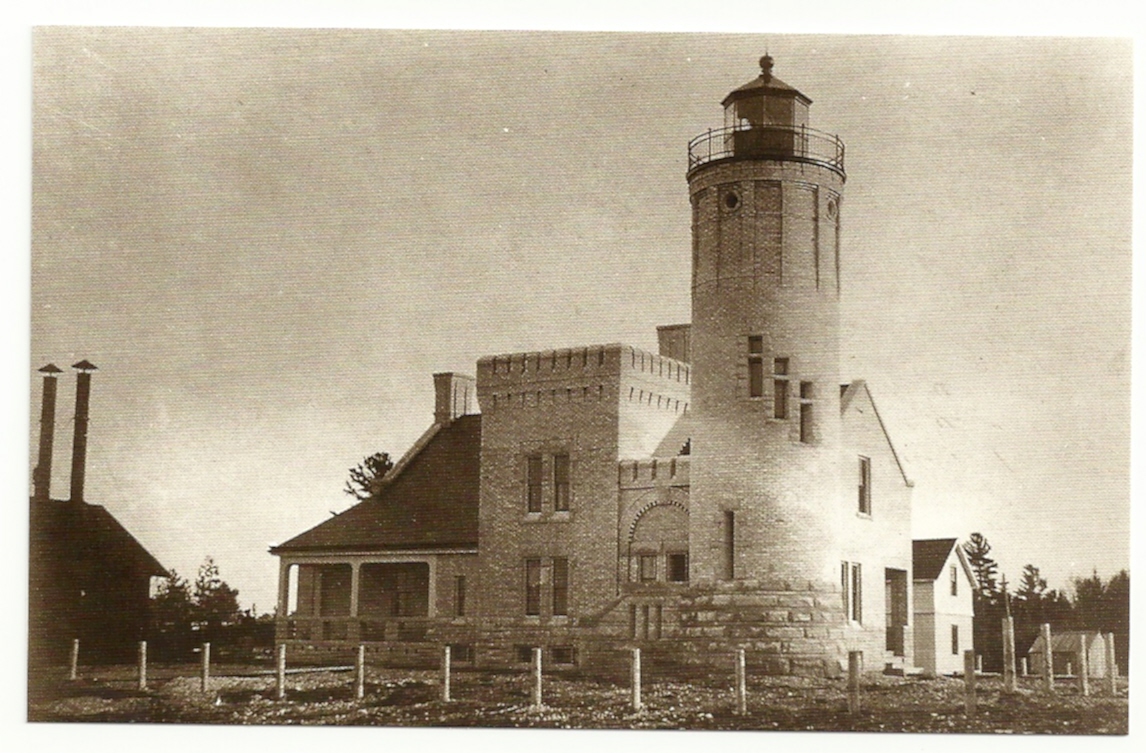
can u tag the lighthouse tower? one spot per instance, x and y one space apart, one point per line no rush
766 443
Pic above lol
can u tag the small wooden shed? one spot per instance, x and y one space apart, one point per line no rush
1066 648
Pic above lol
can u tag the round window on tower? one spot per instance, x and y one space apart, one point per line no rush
833 208
731 200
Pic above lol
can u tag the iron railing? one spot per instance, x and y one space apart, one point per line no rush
787 143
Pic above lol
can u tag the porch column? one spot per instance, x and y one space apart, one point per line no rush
284 587
354 580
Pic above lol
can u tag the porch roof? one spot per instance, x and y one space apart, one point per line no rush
432 503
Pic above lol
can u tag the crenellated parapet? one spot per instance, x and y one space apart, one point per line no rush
653 473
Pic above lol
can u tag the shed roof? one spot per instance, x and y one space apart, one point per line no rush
928 557
431 504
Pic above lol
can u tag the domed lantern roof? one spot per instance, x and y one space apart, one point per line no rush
765 101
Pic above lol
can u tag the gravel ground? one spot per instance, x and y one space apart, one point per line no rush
487 699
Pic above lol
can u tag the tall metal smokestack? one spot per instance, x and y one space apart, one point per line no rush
42 475
80 438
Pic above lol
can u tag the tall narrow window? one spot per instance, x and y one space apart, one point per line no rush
755 366
954 580
845 587
729 544
533 587
857 593
780 388
460 596
560 586
865 485
805 411
677 567
533 483
648 567
955 639
560 482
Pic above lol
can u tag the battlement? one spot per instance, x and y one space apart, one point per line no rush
574 367
657 472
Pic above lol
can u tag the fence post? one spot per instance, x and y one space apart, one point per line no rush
635 680
1023 666
360 673
143 665
205 672
74 671
1111 665
979 663
855 663
969 682
1084 665
536 678
1009 654
445 674
741 684
1048 658
280 672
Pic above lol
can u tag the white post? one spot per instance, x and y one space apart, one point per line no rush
205 672
1111 665
360 673
537 678
979 663
1009 654
280 673
445 674
1084 665
143 665
741 684
969 682
74 672
635 680
855 663
1048 659
1023 666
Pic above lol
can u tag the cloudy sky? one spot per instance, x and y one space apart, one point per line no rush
268 240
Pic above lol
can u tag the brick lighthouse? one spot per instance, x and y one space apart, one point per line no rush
766 479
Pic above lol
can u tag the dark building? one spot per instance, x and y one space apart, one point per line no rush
88 576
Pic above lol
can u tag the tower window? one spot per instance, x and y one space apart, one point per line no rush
533 587
533 483
755 366
729 544
731 200
560 586
805 411
865 485
560 483
780 388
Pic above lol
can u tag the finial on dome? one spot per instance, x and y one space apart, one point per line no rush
766 67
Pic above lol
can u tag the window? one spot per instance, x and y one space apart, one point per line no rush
647 565
560 586
955 639
563 654
954 580
755 366
523 654
780 388
533 483
865 485
677 567
533 587
460 596
806 394
857 593
851 590
561 483
462 652
729 544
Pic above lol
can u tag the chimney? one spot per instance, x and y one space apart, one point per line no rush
454 395
80 438
42 475
674 341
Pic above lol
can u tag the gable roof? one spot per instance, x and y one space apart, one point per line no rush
848 393
88 533
432 503
1066 642
928 557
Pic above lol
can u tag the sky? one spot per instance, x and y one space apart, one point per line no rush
268 240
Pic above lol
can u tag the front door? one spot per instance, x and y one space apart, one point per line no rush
895 599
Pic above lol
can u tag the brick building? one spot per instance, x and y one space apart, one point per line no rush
727 491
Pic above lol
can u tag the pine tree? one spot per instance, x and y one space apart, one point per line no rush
216 603
366 477
985 569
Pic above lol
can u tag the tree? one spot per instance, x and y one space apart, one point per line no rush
171 605
366 477
216 603
986 570
1033 586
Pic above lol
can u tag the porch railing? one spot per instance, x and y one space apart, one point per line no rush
355 629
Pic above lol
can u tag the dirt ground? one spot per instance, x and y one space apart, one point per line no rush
489 699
